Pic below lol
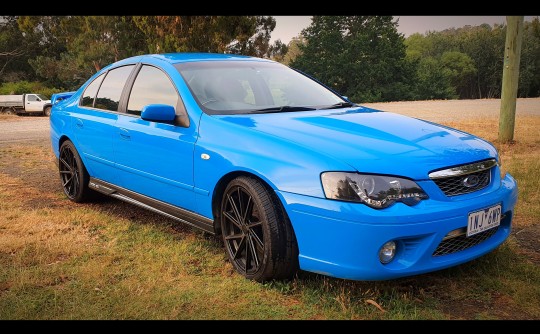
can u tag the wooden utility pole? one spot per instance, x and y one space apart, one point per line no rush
512 55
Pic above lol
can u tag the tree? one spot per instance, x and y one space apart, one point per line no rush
485 46
277 51
80 45
433 80
254 38
460 69
14 52
247 35
529 72
362 57
293 49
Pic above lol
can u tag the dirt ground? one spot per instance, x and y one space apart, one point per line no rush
35 129
24 132
456 110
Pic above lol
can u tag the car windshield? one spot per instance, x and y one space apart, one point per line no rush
41 97
243 87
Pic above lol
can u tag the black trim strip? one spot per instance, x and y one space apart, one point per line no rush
171 211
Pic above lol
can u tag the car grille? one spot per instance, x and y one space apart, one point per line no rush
455 185
464 179
462 242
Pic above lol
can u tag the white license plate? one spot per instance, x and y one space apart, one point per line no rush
482 220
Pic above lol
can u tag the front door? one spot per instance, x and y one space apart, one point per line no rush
155 159
33 103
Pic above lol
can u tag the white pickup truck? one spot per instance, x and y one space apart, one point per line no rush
25 104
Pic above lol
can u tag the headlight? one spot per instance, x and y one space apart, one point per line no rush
376 191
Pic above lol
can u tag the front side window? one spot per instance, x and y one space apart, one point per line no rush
32 98
151 86
108 97
90 92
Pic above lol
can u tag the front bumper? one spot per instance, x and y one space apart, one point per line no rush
342 239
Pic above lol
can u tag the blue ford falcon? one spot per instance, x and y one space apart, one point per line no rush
291 174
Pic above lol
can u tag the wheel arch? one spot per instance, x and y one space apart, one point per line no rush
220 187
62 139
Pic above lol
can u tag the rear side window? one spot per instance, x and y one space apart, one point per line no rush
150 87
90 92
108 97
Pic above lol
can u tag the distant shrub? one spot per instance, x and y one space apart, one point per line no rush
24 87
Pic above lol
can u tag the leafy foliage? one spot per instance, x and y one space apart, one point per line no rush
14 54
64 51
362 57
23 87
293 49
472 59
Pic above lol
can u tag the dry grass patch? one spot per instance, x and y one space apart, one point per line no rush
110 260
76 261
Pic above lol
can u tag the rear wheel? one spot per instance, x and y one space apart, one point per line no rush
257 234
73 174
10 111
47 111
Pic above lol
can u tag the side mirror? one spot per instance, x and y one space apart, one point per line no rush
158 113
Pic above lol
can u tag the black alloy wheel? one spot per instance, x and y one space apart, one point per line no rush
73 174
257 234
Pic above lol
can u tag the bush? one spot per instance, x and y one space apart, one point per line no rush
25 87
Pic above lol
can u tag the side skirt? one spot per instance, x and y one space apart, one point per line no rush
171 211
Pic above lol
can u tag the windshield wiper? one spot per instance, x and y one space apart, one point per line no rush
341 105
281 108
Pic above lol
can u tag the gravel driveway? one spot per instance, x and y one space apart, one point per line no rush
23 128
26 128
456 110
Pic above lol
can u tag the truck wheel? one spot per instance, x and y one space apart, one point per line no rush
47 111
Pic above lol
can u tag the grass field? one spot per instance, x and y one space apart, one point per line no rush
109 260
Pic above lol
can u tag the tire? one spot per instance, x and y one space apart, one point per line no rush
47 111
73 174
258 236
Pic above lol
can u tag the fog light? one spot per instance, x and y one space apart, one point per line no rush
387 252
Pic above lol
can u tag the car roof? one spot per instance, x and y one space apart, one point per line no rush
183 57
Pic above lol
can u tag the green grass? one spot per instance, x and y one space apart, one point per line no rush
60 260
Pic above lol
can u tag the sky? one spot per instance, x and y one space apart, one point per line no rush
288 27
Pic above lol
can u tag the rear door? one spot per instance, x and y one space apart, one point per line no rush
95 122
155 159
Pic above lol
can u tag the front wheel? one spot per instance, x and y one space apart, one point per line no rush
73 174
47 111
256 231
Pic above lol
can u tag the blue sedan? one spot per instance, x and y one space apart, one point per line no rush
291 174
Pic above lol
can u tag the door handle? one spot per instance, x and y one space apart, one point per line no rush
79 123
124 134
